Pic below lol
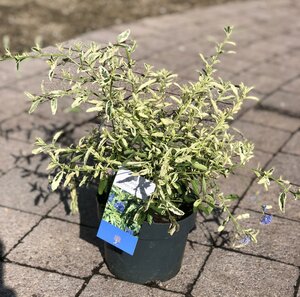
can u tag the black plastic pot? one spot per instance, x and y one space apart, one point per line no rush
158 255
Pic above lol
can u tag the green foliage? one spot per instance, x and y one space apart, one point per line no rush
180 140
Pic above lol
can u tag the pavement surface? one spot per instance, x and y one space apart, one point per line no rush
45 251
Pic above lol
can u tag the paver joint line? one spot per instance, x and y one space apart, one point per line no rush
88 278
27 233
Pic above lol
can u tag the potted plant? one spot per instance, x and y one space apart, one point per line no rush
179 140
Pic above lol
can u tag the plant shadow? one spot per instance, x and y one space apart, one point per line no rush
32 169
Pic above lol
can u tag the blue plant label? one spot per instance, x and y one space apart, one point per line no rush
126 196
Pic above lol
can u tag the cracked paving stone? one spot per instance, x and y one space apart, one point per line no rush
60 246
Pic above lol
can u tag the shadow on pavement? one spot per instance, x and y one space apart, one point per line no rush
4 292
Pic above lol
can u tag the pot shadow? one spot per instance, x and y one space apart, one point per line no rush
4 291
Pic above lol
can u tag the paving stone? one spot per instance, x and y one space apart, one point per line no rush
108 286
293 86
172 59
261 51
234 274
205 231
14 224
165 21
27 127
262 83
257 196
10 151
32 282
234 63
234 184
12 103
9 73
265 138
138 30
290 58
270 69
284 102
288 166
100 36
27 191
279 240
293 146
271 119
60 246
87 206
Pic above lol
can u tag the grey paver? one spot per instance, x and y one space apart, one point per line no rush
11 151
234 184
285 102
262 83
270 69
265 138
290 58
293 86
26 127
60 246
12 103
32 282
279 240
177 59
293 146
271 119
205 231
108 286
256 196
27 191
100 36
9 73
288 166
87 209
260 159
230 274
14 225
234 63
